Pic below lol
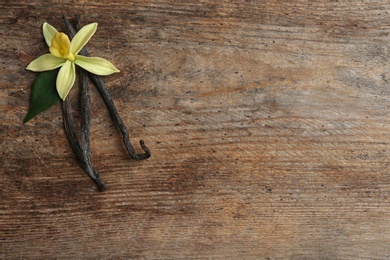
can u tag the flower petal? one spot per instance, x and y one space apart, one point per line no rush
48 32
65 79
60 46
45 62
82 37
95 65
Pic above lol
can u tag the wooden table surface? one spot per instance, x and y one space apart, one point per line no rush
268 123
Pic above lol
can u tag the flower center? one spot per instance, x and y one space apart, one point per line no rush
60 46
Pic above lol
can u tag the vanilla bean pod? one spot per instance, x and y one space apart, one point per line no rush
83 152
85 127
115 117
85 114
74 143
98 82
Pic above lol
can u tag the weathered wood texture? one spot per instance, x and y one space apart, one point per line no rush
268 123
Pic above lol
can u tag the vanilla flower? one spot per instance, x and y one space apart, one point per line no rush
64 54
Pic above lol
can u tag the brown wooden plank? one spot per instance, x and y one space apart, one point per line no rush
268 124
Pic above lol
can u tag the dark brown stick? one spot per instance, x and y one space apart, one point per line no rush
85 112
116 118
83 152
98 82
74 143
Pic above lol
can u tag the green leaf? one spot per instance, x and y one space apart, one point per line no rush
44 93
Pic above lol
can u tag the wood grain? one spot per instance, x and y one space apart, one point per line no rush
268 123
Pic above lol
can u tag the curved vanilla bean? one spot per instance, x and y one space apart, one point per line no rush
116 118
98 82
73 142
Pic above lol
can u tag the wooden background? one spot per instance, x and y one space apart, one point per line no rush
268 123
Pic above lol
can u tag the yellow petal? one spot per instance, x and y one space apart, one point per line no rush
48 32
65 79
45 62
82 37
95 65
60 46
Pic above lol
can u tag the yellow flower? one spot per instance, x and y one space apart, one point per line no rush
64 54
